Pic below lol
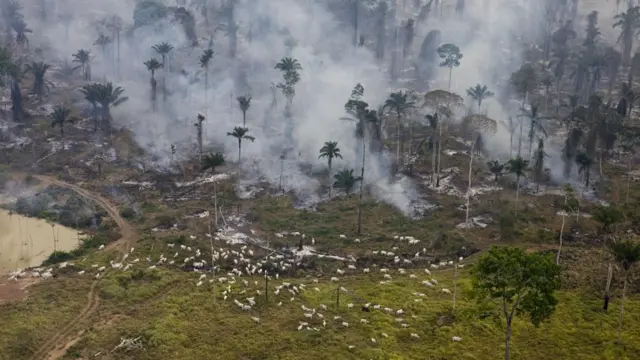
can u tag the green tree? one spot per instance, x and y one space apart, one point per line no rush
211 161
290 69
107 96
345 180
331 151
400 103
523 284
496 168
244 102
519 168
450 55
626 253
59 117
83 57
240 133
39 71
479 93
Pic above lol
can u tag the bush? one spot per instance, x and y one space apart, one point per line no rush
127 213
89 243
58 257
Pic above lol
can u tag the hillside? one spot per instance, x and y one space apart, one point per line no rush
286 180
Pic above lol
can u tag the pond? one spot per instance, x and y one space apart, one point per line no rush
27 242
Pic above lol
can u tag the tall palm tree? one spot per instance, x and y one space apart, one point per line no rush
558 66
535 124
163 49
511 127
331 151
628 22
153 65
519 168
287 64
205 59
39 70
21 29
59 117
434 125
103 41
240 133
626 253
584 162
400 103
345 180
479 93
290 68
212 161
496 168
199 129
83 57
106 95
244 102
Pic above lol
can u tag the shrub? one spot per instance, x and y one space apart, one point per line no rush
127 213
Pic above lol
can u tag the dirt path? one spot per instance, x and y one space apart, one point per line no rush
56 347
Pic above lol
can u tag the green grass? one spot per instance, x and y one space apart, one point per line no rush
29 323
185 324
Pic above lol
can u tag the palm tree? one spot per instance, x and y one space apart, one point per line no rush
400 103
153 65
103 41
83 57
244 102
331 151
287 64
584 162
626 253
345 180
496 168
511 128
450 55
10 75
199 129
607 217
535 125
39 70
434 124
59 117
205 59
628 22
21 29
240 133
163 49
212 161
519 168
107 96
290 68
479 93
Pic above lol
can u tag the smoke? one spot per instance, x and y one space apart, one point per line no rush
267 31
